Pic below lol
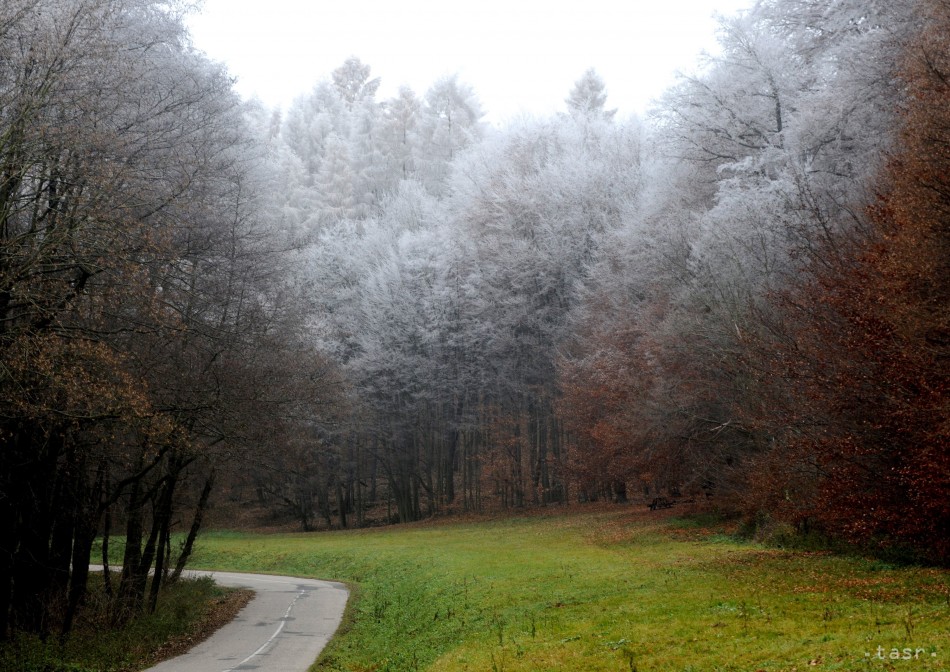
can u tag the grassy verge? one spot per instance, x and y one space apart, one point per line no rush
187 612
604 590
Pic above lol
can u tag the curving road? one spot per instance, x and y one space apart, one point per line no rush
283 628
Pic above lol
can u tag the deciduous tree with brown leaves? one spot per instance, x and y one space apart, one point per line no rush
866 358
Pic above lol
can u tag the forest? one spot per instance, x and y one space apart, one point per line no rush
359 310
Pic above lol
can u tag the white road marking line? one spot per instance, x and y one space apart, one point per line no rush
283 622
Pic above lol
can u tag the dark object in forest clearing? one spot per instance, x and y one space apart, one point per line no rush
660 503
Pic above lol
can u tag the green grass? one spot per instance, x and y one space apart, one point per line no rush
607 590
95 646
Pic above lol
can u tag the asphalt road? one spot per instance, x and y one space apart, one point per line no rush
283 629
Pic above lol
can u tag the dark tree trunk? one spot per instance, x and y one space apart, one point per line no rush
79 579
132 558
32 577
341 502
162 524
65 513
8 536
195 527
89 509
106 533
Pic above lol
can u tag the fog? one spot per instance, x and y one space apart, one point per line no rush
519 57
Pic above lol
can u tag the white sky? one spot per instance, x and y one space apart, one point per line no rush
518 55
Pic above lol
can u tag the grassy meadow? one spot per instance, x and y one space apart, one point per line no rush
606 589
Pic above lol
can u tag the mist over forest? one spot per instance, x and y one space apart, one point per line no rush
359 311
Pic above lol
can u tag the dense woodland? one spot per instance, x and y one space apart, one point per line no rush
360 307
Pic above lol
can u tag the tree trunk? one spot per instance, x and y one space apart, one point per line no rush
87 520
195 527
32 577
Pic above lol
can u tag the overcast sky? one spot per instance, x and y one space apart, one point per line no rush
518 55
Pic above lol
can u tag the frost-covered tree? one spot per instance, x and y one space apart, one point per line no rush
588 97
535 203
766 159
310 120
399 141
334 183
352 81
570 304
450 122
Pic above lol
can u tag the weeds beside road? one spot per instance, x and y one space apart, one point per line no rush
187 612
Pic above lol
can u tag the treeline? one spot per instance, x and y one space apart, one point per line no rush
148 332
741 297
